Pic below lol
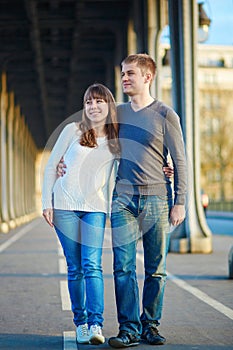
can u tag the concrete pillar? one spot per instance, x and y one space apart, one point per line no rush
153 35
132 39
17 173
4 226
193 235
11 111
157 19
120 53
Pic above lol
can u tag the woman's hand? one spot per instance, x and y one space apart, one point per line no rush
61 167
48 215
168 170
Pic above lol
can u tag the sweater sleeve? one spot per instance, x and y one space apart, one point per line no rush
175 144
50 175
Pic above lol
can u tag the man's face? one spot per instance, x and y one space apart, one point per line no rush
133 80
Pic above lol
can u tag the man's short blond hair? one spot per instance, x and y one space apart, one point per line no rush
143 61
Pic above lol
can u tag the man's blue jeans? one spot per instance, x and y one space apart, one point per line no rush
134 217
81 235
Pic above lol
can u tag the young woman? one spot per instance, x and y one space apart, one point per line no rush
76 205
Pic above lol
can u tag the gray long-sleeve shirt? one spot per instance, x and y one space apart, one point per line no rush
146 138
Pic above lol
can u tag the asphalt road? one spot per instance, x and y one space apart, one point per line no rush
34 305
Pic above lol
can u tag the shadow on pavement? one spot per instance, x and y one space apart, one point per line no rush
30 342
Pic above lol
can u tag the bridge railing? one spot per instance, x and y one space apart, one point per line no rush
221 206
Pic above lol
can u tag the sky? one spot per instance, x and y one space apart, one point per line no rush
221 28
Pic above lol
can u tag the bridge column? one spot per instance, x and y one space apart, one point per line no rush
157 19
11 111
193 235
17 185
4 217
30 179
120 53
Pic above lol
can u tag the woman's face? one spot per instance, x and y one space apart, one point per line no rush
96 110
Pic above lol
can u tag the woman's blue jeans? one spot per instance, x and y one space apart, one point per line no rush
81 235
137 217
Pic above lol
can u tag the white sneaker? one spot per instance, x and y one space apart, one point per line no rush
96 336
82 334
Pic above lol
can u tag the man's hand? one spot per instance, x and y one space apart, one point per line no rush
177 214
48 215
168 170
61 167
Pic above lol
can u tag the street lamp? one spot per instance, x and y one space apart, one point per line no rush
204 23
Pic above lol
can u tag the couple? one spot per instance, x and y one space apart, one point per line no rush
143 206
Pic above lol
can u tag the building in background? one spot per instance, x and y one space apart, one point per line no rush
215 85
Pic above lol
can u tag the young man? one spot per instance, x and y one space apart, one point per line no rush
142 204
142 201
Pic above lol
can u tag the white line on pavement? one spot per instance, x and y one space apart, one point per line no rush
69 337
62 266
18 235
59 249
69 341
202 296
65 298
226 311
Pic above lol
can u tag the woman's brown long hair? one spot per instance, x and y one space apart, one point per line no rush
88 137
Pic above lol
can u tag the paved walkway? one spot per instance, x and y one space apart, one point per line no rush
35 310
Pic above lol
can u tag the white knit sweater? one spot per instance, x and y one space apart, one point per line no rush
86 186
